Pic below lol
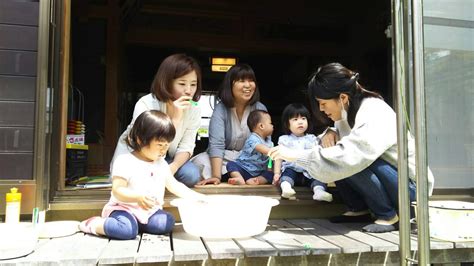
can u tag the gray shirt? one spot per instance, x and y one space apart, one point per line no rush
221 131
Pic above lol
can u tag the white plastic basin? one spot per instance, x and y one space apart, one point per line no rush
451 220
18 239
225 216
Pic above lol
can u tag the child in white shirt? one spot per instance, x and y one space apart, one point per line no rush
139 179
295 124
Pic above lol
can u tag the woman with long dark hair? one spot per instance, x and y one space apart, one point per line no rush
363 162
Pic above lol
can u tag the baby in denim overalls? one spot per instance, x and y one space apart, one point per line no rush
251 166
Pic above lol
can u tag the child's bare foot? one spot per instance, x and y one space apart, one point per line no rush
236 181
252 181
259 180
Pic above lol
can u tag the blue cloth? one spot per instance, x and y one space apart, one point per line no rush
234 167
250 159
187 174
293 177
123 225
374 188
294 142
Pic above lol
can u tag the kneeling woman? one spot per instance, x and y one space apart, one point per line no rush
363 163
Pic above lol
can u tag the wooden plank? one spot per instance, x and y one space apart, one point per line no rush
85 250
22 63
452 256
27 260
285 245
223 248
464 244
434 244
16 166
17 139
74 249
387 236
19 12
377 244
16 37
347 245
440 244
187 247
256 247
310 243
17 114
52 251
17 88
120 251
154 248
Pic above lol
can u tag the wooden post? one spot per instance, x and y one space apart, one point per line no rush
111 87
64 60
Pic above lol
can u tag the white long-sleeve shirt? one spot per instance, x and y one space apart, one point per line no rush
373 136
185 138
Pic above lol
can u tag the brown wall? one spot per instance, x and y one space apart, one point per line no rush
18 55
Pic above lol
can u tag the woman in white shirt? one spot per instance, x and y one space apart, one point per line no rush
363 162
177 82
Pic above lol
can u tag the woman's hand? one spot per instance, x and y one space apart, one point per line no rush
283 153
182 102
329 139
212 180
147 202
176 111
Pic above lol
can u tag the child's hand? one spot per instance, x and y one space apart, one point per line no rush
276 179
147 202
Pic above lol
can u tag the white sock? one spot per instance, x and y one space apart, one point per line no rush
286 190
321 195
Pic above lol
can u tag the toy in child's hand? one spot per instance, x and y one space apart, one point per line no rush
270 163
193 103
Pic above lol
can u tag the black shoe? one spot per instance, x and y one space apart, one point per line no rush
352 219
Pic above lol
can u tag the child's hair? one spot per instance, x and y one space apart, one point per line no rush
150 125
291 111
254 118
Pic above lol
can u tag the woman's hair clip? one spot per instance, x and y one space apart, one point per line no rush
355 76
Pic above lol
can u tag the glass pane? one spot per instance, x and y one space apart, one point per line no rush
449 83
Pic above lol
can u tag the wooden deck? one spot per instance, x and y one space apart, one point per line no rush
285 242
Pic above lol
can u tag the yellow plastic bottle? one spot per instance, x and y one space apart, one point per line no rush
12 213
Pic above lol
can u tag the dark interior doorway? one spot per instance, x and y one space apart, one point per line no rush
283 41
